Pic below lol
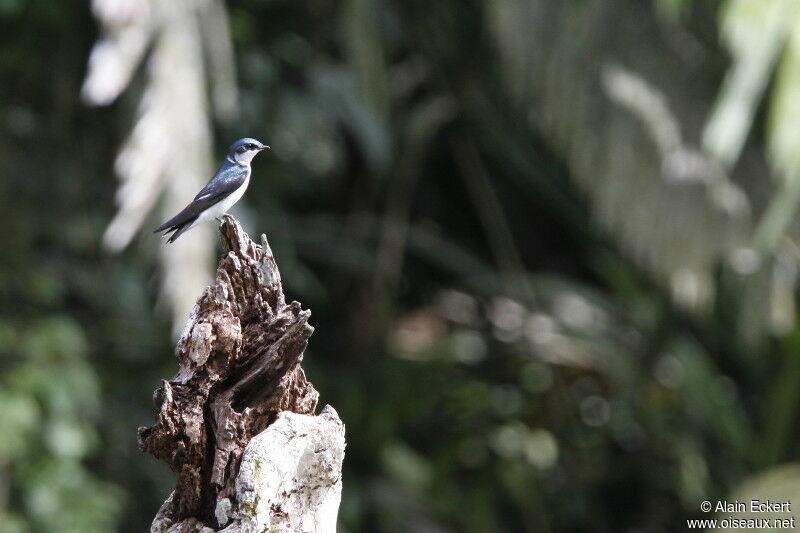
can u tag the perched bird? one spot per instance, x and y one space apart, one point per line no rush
220 193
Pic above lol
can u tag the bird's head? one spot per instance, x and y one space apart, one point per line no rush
244 150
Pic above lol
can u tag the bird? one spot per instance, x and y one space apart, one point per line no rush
220 193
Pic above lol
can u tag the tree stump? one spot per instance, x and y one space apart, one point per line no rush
237 423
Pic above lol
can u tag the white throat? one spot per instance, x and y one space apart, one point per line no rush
245 158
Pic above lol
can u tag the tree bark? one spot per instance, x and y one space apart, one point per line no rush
237 423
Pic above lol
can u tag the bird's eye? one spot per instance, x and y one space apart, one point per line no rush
251 146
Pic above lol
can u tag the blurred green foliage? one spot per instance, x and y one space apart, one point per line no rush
500 360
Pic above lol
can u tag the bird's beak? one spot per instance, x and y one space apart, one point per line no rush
265 147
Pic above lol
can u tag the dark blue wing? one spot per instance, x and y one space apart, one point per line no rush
228 178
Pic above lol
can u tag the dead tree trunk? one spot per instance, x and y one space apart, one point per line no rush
237 423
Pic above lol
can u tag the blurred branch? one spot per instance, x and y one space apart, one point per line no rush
783 146
754 32
423 124
490 212
764 40
776 218
365 49
680 163
781 407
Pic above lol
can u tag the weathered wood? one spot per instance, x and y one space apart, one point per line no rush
239 359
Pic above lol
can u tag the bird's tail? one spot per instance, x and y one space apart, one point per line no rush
177 230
